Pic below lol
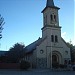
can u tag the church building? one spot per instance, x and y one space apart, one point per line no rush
51 47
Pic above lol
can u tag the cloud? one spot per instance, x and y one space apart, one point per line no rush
67 39
63 35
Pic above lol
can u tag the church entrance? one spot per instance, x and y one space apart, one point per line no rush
55 61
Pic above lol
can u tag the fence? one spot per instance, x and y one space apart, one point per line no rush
9 66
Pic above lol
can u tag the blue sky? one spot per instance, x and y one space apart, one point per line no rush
24 20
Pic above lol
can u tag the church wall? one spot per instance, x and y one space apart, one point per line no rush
41 56
41 63
54 32
44 33
48 31
34 59
42 46
45 17
66 51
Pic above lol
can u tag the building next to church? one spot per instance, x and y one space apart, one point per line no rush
51 47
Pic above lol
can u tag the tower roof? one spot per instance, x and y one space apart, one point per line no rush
50 3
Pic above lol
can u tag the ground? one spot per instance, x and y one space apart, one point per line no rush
36 72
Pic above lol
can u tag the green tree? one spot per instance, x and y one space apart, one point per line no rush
16 53
72 51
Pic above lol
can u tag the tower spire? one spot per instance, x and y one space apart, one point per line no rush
50 3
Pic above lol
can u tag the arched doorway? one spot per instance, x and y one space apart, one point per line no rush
56 58
55 61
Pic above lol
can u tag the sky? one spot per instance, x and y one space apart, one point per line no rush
24 20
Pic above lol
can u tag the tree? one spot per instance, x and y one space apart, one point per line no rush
72 50
1 25
16 53
2 59
73 54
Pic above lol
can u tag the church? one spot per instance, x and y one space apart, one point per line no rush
51 47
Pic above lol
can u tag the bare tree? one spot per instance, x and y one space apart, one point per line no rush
1 25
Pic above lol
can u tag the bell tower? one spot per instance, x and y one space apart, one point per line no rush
50 14
50 20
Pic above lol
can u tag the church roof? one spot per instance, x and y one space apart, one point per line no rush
33 46
2 53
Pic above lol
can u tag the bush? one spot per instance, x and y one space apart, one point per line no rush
55 65
63 66
24 65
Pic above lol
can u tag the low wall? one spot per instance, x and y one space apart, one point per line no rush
9 66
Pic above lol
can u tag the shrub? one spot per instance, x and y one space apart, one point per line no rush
55 65
63 66
24 65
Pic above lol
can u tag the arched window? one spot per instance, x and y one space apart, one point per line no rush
52 38
54 17
56 38
51 16
46 19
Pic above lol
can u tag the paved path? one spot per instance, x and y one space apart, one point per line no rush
36 72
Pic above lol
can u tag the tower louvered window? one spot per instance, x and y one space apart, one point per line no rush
46 19
54 17
56 38
51 16
52 38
